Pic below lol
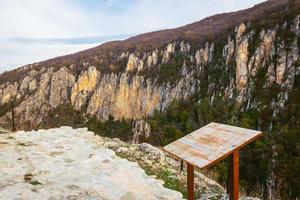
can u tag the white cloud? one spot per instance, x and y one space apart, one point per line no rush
17 54
46 18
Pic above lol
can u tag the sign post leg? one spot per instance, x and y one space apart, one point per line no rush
234 176
190 182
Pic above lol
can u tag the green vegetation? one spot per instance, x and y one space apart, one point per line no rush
3 131
167 72
35 183
5 108
171 181
64 115
110 128
172 178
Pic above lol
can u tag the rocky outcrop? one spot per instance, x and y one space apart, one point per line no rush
241 58
122 97
35 107
280 70
133 63
84 87
141 131
202 55
228 51
60 86
8 92
28 84
185 47
263 53
152 59
170 49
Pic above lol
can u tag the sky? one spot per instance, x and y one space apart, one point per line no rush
35 30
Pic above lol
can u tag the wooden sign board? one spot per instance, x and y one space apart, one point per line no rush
210 144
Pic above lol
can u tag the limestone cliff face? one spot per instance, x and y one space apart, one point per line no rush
122 97
241 59
133 63
60 87
135 97
8 91
152 59
84 87
134 93
202 55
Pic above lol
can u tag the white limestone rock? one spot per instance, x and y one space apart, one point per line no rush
64 163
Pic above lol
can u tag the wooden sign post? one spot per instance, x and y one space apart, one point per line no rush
209 145
234 176
190 182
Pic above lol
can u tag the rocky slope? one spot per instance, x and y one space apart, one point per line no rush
249 58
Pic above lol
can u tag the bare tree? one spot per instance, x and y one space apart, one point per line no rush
12 106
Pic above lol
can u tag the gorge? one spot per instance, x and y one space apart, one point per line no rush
240 68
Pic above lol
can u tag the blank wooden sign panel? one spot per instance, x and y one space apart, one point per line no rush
210 144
